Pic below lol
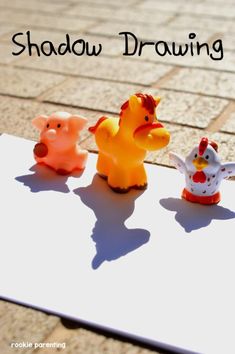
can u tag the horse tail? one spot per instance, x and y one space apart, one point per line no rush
94 127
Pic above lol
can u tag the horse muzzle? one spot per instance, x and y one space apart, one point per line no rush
149 126
152 136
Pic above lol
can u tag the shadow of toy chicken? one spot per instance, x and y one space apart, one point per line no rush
195 216
112 238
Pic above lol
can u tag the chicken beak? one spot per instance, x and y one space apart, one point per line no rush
200 163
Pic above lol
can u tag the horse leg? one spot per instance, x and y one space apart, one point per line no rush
119 179
139 177
103 165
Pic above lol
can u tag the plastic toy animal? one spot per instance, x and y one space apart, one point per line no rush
123 142
58 147
203 172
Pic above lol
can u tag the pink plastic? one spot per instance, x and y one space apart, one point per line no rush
58 147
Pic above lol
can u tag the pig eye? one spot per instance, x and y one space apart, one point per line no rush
58 125
48 125
146 118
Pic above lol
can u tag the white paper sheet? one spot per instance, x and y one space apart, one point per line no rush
146 264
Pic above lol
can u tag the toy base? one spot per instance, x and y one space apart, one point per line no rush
208 200
61 171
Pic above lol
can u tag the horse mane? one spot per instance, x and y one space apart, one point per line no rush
147 102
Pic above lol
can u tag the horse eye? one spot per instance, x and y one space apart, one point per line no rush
58 125
146 118
195 156
48 125
207 157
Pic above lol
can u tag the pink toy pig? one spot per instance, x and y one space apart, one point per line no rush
58 147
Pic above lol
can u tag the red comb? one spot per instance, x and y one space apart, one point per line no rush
214 145
202 146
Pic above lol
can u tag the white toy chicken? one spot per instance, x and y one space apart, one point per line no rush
203 172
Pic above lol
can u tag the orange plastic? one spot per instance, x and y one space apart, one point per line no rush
124 142
58 147
207 200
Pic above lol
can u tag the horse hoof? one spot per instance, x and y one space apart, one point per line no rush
119 190
141 186
103 176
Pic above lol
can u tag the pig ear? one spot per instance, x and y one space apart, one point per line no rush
39 122
77 122
134 103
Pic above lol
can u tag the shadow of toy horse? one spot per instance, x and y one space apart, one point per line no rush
195 216
112 238
45 179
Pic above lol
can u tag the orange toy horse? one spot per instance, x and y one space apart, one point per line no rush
123 143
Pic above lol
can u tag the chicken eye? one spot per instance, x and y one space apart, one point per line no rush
146 118
207 157
58 125
48 125
195 156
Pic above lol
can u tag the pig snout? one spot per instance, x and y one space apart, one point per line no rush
50 134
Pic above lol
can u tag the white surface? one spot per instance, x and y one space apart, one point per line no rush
148 264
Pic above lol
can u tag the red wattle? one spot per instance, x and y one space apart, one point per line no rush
199 177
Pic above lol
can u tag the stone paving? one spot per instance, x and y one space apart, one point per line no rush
197 99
